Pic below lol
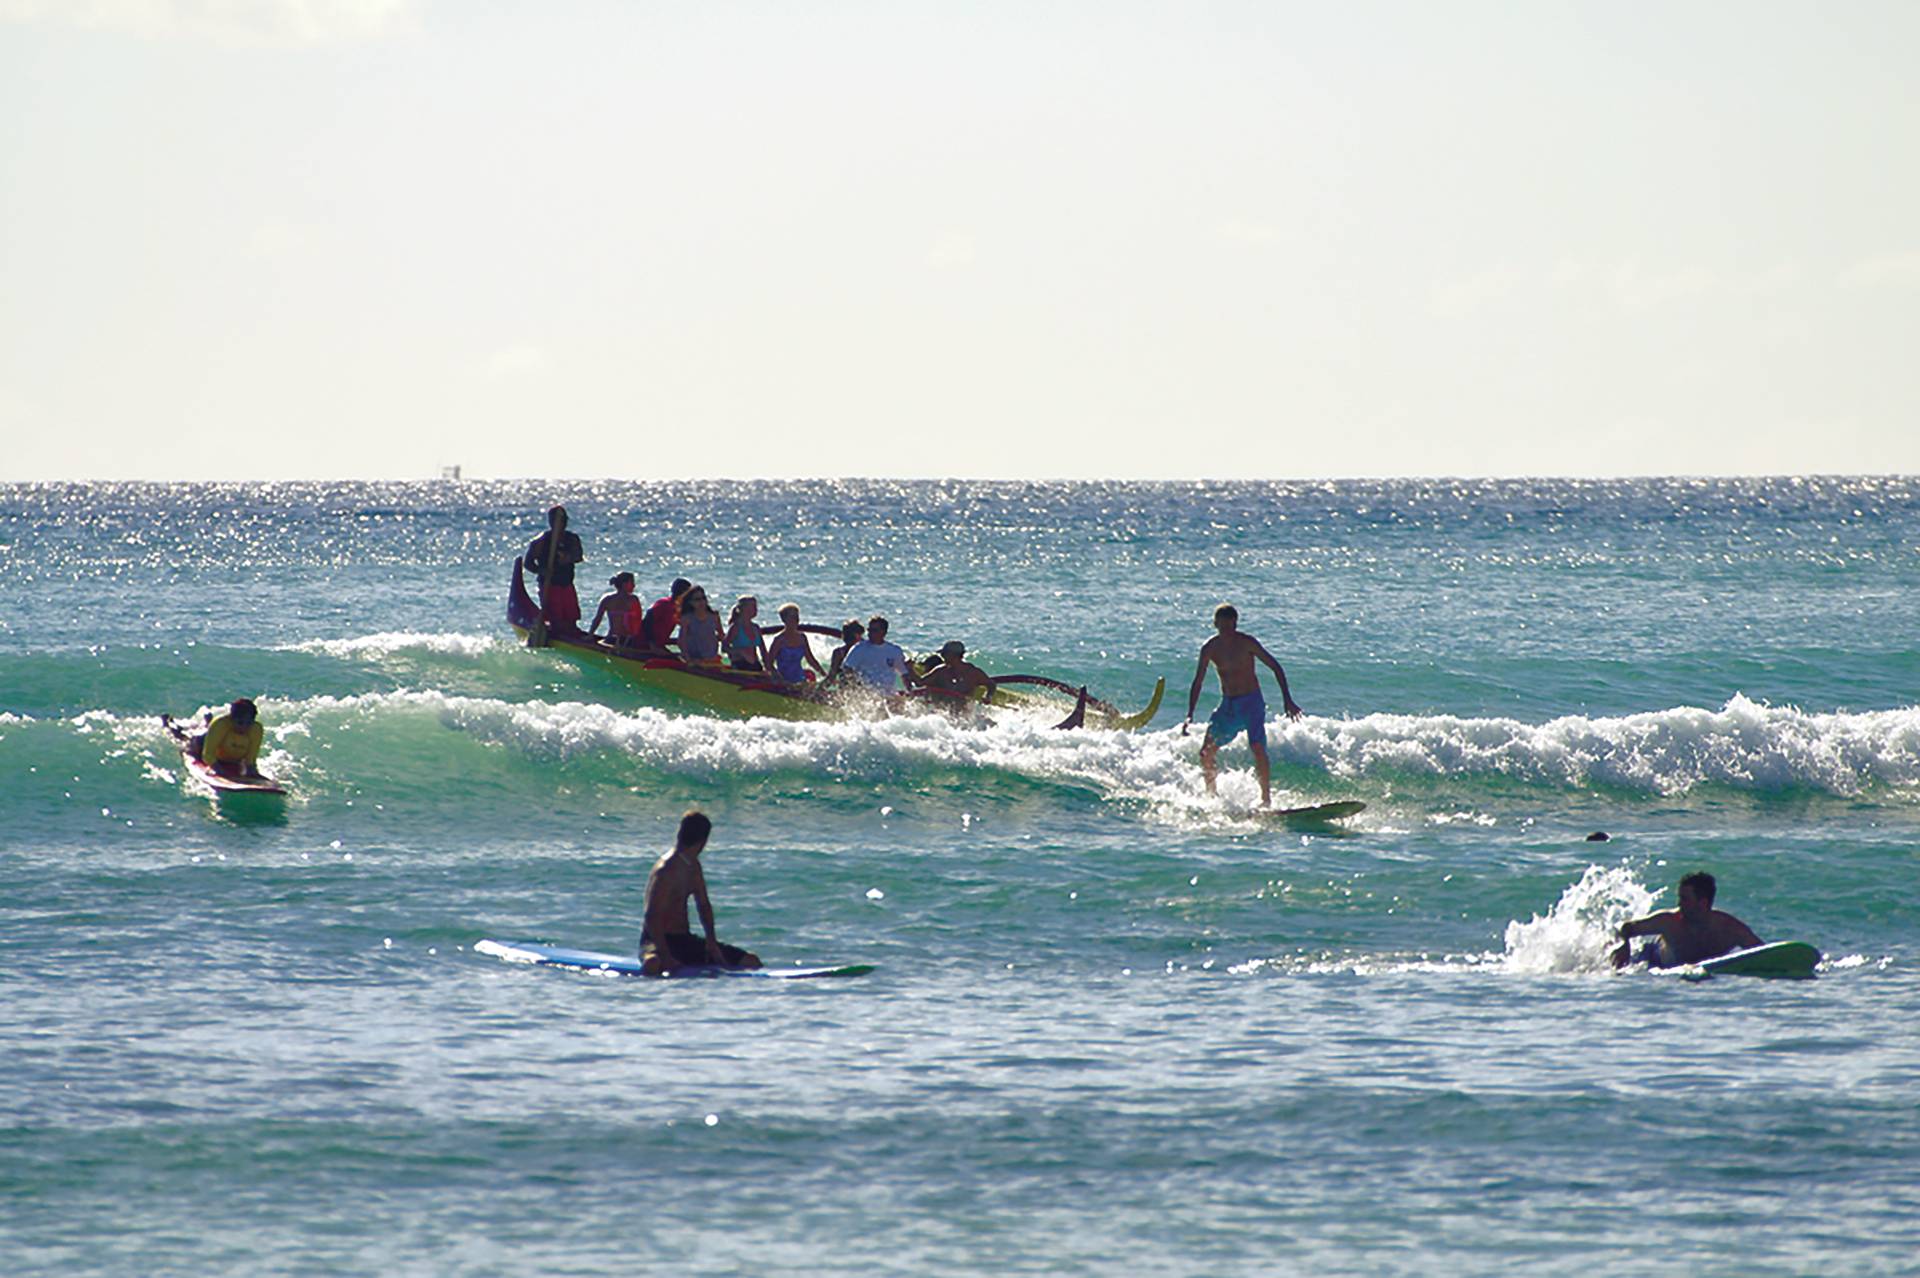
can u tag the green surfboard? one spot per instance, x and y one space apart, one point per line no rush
1782 960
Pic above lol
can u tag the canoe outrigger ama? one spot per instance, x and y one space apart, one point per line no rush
748 694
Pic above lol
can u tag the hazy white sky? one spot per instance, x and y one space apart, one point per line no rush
367 238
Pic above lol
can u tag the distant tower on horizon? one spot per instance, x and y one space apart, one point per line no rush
450 472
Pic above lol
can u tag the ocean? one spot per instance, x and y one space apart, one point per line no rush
1116 1024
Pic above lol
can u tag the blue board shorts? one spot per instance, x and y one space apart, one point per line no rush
1245 713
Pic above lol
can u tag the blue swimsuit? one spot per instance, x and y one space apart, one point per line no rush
1245 713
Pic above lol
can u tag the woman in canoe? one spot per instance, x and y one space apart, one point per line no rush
699 630
746 646
789 652
621 609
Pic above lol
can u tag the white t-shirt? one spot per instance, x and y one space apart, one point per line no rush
882 665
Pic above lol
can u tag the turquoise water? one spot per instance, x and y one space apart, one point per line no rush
1116 1023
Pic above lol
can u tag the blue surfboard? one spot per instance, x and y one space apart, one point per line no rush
540 955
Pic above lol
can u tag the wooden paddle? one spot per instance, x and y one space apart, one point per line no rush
537 637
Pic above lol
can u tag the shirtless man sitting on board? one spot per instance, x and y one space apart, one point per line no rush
1242 708
666 939
1693 933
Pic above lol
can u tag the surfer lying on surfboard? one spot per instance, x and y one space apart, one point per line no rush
231 743
1691 934
1242 708
666 939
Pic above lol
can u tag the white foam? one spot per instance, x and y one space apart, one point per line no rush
1744 744
1577 934
395 643
1668 752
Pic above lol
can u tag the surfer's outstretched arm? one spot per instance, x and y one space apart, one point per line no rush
1651 925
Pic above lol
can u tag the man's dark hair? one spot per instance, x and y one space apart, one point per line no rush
556 513
1701 884
694 828
876 623
679 587
244 710
1226 610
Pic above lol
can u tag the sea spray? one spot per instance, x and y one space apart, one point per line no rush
1577 934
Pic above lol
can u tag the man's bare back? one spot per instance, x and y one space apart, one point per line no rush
1232 655
674 878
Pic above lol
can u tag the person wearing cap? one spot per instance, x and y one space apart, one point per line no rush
231 743
664 617
955 676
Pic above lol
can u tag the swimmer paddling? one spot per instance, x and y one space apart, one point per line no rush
1242 708
1693 933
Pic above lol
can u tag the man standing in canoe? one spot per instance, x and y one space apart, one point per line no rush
1242 708
550 558
666 938
1693 933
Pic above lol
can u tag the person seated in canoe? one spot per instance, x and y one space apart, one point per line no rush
620 609
746 644
851 632
1242 708
666 938
880 665
700 629
663 618
231 743
790 653
550 558
955 677
1693 933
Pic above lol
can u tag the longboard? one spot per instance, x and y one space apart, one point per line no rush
1317 814
1788 960
212 778
539 955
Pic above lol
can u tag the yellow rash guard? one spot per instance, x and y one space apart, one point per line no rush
227 745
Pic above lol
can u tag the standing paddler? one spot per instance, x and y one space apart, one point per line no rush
552 556
1242 708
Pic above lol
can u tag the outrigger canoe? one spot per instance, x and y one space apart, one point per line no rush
747 694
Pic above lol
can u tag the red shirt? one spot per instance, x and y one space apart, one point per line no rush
661 621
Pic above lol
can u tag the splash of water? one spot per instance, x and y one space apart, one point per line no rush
1578 932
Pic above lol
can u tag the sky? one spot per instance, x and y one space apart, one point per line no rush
309 239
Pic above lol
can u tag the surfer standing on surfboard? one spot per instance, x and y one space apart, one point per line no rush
1693 933
666 937
1242 708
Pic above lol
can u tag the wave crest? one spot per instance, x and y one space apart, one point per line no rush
1745 745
